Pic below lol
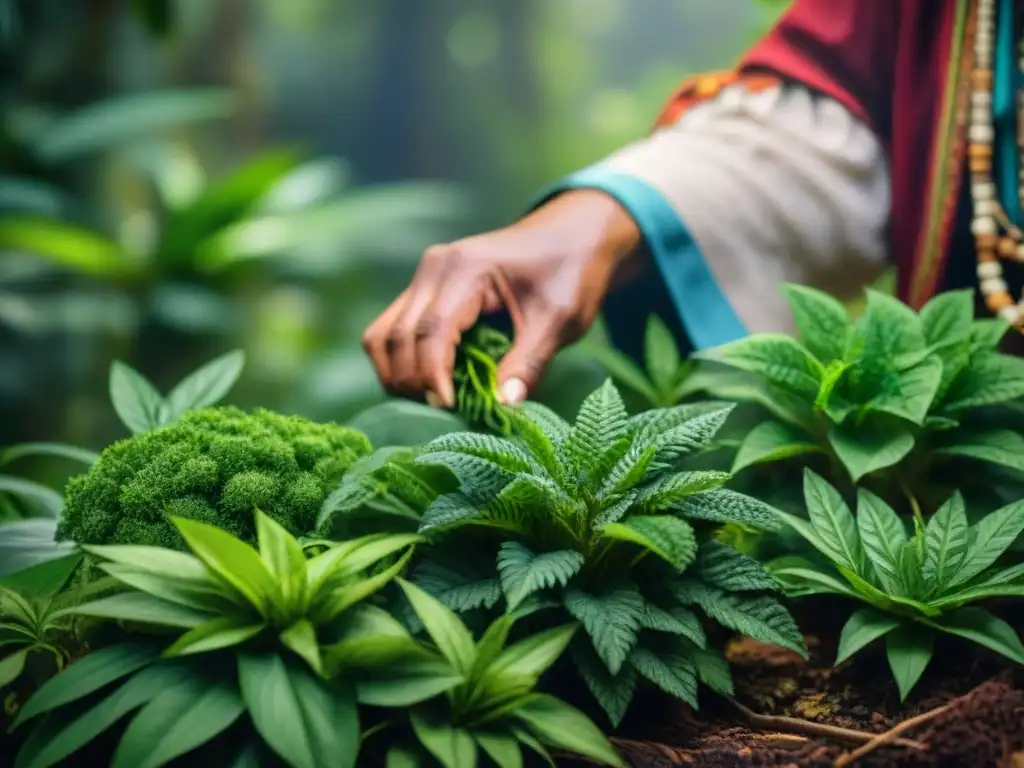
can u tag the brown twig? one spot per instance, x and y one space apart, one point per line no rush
889 737
806 727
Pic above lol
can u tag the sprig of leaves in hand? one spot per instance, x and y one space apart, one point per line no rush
476 378
872 391
914 585
266 633
494 709
599 521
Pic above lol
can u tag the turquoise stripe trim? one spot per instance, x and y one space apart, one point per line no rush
1007 80
706 315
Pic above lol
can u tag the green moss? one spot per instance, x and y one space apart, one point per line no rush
214 465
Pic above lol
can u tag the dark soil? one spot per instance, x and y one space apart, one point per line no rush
983 726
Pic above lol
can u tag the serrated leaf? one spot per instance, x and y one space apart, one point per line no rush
504 452
553 425
678 621
861 629
722 566
457 591
449 510
946 540
674 674
725 506
204 387
613 692
666 492
779 359
648 425
832 521
479 479
670 538
822 321
909 649
908 393
772 441
882 535
712 669
601 422
523 572
612 620
863 450
691 436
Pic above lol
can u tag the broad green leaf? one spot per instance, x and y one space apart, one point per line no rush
863 628
86 676
863 450
231 559
990 377
157 561
301 638
946 541
560 726
624 371
405 683
27 543
202 595
216 634
138 607
909 648
676 675
342 561
44 580
502 749
833 523
983 628
137 402
882 535
308 722
403 757
534 655
58 450
205 387
1003 447
138 689
446 630
45 502
661 356
772 441
453 747
68 246
947 318
283 556
986 333
822 321
909 393
891 330
522 572
11 666
670 538
712 669
780 359
181 718
989 538
370 636
612 620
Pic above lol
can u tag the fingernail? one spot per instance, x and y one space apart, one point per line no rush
513 392
433 400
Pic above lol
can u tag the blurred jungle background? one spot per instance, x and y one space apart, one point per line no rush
180 178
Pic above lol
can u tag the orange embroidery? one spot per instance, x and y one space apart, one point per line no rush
707 86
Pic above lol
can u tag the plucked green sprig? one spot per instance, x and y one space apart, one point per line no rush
915 584
476 378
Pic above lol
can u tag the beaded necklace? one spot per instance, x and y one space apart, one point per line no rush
995 234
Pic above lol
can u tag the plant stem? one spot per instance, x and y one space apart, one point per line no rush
915 507
890 736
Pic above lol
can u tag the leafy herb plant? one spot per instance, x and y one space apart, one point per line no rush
914 585
493 711
597 520
288 621
893 389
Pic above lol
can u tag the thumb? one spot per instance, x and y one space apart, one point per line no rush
524 364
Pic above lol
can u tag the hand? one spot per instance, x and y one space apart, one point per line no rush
550 272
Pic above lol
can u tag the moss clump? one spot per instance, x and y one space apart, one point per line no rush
216 465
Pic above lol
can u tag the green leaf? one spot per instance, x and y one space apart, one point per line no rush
306 721
231 559
283 556
201 595
337 599
137 402
560 726
983 628
182 717
822 321
502 749
453 747
523 572
157 561
87 675
989 538
724 506
863 628
479 480
986 333
502 451
712 669
44 501
624 371
674 674
449 634
665 492
670 538
909 649
140 608
946 318
457 591
689 437
402 757
215 634
990 377
891 329
1002 447
407 682
882 534
778 358
772 441
613 693
909 393
865 450
71 736
661 356
11 666
67 246
946 541
612 620
205 387
534 655
59 450
721 566
601 422
833 523
42 581
301 638
27 543
677 621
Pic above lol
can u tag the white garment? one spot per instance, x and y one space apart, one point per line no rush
775 186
